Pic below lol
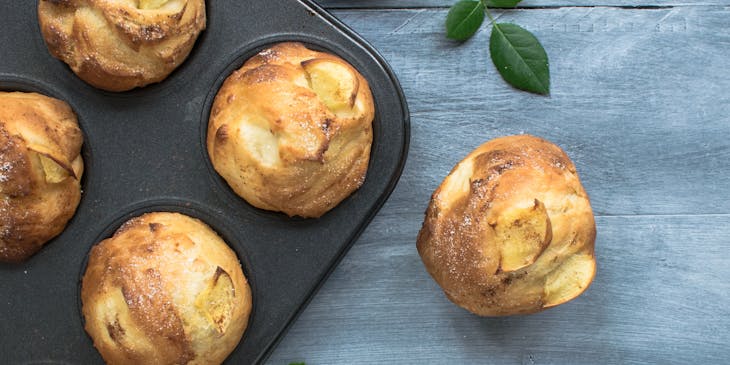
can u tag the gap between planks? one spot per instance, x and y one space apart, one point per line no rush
667 215
603 215
527 7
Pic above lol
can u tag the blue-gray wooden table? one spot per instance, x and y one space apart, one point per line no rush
640 101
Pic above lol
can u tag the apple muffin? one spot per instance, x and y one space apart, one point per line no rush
40 171
117 45
291 130
165 289
510 230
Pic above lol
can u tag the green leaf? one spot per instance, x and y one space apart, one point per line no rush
520 58
464 19
503 3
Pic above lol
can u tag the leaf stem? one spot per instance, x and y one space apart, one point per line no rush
494 23
491 19
486 10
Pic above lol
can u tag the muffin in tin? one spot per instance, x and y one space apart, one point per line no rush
291 130
165 289
117 45
40 171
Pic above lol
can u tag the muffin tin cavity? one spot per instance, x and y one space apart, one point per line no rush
10 83
13 83
239 58
127 29
217 222
149 154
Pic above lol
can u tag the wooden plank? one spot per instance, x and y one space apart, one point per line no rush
660 296
639 100
396 4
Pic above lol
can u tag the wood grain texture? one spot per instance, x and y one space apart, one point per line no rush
659 297
639 102
396 4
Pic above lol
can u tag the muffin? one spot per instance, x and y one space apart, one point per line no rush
40 171
291 130
510 230
117 45
165 289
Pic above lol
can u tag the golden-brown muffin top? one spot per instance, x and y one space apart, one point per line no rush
510 230
165 289
40 171
118 45
291 130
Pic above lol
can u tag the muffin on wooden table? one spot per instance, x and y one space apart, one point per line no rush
510 230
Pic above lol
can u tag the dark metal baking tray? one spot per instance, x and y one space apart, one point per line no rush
144 151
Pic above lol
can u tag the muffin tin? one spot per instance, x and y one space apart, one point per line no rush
145 151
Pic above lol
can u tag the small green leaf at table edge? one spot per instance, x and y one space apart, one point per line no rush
540 83
464 13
